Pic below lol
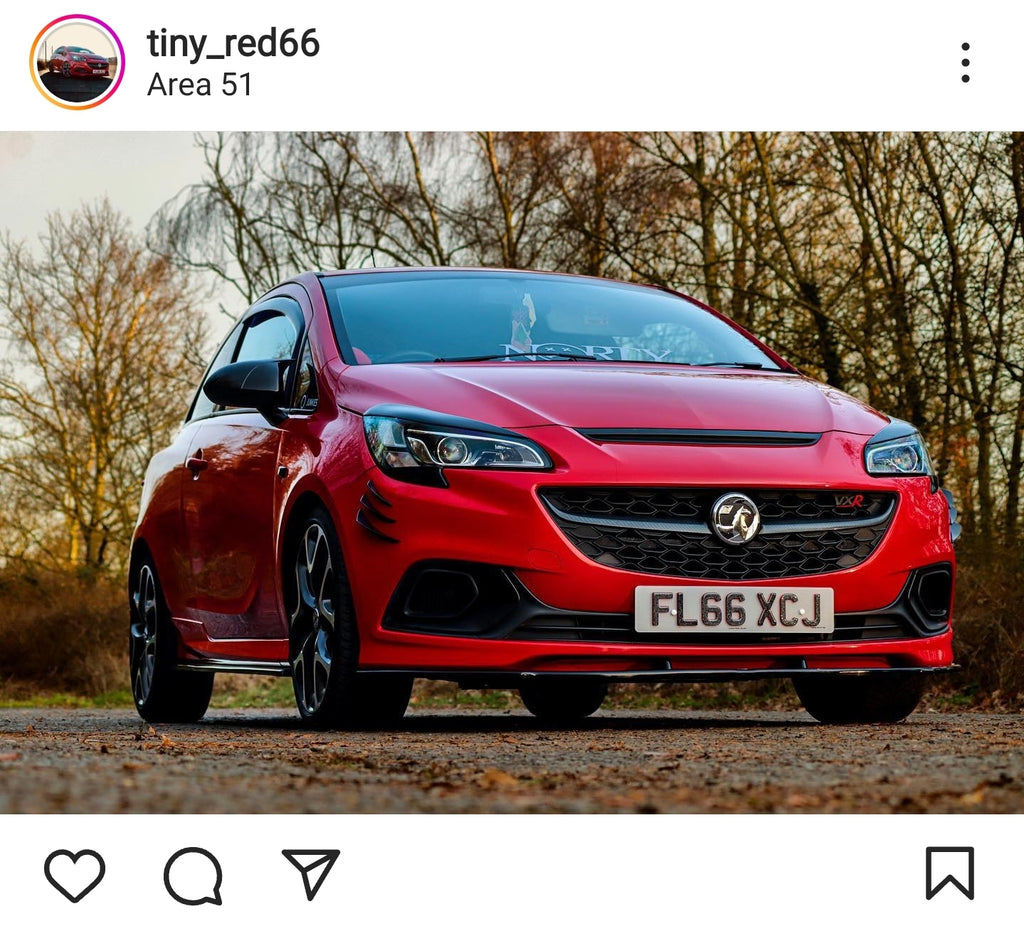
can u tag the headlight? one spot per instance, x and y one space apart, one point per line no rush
416 444
897 450
77 58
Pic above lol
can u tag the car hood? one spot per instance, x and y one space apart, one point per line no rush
521 395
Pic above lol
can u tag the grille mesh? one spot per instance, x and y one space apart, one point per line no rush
664 531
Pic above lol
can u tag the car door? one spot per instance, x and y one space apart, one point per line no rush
228 493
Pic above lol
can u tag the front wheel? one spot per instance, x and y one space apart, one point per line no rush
861 699
566 700
162 692
329 690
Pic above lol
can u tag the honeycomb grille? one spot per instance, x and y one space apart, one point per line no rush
666 531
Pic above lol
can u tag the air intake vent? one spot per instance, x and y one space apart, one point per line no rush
372 515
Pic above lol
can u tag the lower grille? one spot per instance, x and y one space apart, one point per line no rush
666 531
463 599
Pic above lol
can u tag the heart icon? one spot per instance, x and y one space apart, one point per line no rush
74 875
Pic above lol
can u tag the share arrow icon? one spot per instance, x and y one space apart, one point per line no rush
314 865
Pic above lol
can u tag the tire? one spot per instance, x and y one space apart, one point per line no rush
557 700
65 69
863 699
324 640
381 699
162 692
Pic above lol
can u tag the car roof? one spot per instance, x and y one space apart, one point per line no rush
483 270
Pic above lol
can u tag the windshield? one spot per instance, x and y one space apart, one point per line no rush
460 316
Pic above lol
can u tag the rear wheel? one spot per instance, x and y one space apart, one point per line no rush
567 700
324 652
863 699
162 692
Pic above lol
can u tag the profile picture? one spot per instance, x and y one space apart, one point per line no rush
77 62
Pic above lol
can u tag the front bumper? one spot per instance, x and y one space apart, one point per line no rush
391 530
83 69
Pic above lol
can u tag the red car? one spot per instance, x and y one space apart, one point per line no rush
529 480
73 61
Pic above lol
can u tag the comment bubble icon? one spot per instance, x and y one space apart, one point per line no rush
193 876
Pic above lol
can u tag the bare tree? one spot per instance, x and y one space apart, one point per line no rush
889 264
103 345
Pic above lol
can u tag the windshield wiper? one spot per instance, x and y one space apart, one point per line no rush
584 357
694 365
575 356
723 365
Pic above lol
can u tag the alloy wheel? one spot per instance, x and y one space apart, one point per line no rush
143 634
313 622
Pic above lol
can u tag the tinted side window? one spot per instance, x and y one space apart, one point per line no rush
271 337
202 406
268 334
304 394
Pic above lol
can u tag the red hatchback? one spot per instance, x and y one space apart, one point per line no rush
539 481
73 61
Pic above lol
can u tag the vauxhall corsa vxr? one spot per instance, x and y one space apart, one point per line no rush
529 480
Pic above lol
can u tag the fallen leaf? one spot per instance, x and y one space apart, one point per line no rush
496 779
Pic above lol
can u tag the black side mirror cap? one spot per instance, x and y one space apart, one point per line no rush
258 384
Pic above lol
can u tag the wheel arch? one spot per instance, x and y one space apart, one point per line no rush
140 550
303 503
299 508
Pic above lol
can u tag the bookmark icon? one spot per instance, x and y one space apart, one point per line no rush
949 866
314 865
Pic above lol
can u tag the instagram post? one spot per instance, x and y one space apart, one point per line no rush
556 462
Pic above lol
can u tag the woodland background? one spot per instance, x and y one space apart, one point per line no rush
890 265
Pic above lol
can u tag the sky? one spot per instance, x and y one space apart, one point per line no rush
43 172
82 34
139 171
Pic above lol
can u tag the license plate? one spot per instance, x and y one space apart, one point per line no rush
99 70
719 610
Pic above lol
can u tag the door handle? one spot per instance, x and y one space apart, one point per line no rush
195 464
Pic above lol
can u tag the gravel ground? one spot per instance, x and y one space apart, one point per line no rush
486 761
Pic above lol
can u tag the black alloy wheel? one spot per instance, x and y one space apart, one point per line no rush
162 692
324 651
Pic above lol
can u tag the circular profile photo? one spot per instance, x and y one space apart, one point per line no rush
77 62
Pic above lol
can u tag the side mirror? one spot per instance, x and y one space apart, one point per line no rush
250 384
